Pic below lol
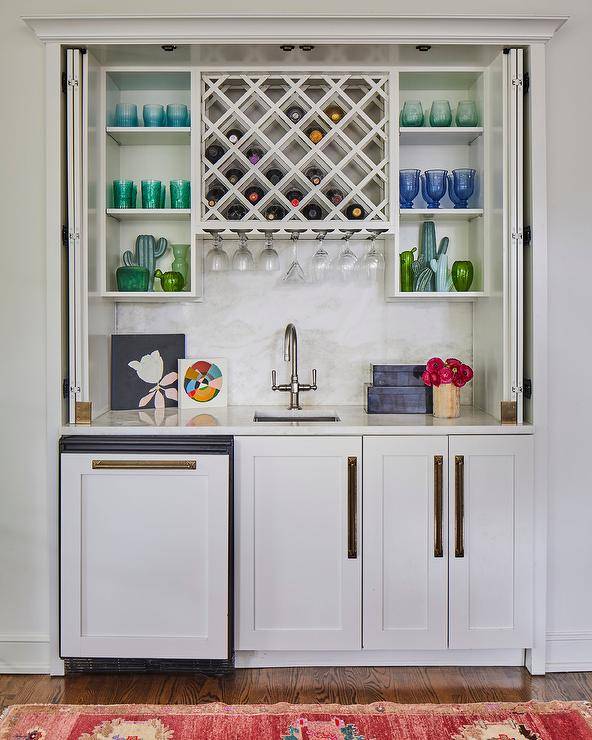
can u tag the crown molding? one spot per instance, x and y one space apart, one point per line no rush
294 28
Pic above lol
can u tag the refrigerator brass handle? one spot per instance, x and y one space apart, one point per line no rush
438 505
459 506
352 507
144 464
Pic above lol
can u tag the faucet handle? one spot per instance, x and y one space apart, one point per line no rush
314 379
274 380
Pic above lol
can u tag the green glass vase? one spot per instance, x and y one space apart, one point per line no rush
406 271
462 275
180 261
171 282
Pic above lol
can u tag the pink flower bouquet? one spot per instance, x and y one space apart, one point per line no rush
447 378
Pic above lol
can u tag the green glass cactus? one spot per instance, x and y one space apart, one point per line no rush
147 251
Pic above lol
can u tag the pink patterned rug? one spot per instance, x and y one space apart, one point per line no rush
379 721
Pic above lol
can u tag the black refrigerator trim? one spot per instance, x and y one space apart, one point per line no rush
165 444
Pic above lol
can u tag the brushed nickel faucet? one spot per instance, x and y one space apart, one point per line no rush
291 355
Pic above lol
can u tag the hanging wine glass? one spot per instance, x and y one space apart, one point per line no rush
269 259
242 259
372 263
295 272
321 261
345 264
217 259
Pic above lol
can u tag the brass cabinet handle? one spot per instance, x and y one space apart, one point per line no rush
352 507
459 506
144 464
438 506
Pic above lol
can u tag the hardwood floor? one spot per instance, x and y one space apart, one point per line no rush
302 685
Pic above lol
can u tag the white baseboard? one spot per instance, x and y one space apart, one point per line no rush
24 653
569 651
284 659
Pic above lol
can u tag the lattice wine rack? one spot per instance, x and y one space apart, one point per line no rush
352 155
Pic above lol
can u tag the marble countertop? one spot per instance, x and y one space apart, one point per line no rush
238 420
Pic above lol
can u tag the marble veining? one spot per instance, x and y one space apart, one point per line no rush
341 329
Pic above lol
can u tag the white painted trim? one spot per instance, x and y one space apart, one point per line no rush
282 659
24 637
296 28
24 653
569 651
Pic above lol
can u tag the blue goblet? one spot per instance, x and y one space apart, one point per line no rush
433 187
461 185
408 187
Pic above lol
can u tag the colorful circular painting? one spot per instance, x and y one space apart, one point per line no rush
203 381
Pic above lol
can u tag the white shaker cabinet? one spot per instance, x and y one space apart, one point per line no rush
144 556
405 543
491 541
298 555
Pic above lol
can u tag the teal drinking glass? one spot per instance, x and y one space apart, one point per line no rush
177 115
180 193
124 194
412 113
440 113
153 115
126 114
466 113
153 192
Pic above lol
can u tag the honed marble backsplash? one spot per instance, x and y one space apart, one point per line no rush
341 329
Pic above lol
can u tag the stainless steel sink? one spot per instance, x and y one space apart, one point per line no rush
306 416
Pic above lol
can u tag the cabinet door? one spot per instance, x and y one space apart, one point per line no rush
298 559
491 541
144 556
405 542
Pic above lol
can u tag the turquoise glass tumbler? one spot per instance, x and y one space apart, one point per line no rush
440 114
412 113
180 193
177 115
124 194
466 113
153 115
153 194
126 114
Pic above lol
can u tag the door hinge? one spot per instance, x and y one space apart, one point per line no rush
65 237
526 83
64 82
527 236
527 385
66 387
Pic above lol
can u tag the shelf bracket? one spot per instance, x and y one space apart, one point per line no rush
113 217
110 135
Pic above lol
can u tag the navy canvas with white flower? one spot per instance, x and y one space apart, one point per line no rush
144 370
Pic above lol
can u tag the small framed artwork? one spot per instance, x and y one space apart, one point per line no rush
202 382
144 370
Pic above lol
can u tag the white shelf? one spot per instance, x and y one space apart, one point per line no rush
426 135
150 214
439 214
452 295
284 227
142 135
156 296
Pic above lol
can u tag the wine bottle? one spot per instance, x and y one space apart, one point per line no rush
294 196
312 212
355 211
214 152
275 213
235 212
234 175
254 154
295 113
335 196
315 134
314 175
254 194
274 175
214 194
234 135
334 112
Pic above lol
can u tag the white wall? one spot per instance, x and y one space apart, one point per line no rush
23 539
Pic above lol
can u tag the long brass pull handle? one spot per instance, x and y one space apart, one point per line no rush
352 507
438 505
459 506
144 464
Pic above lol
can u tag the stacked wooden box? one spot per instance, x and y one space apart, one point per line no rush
397 389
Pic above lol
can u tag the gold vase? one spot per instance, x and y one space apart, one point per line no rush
446 401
